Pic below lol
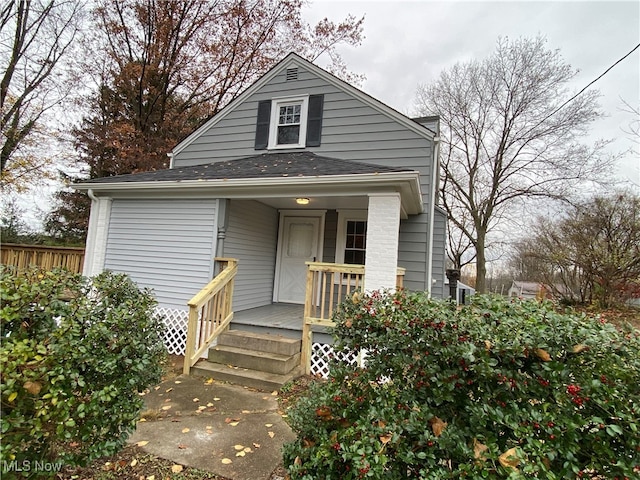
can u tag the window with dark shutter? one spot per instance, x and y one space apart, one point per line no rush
262 125
314 120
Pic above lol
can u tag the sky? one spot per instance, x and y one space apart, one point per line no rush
411 42
408 43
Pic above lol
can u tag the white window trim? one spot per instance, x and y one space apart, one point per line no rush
341 236
276 103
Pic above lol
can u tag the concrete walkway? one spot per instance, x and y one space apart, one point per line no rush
226 429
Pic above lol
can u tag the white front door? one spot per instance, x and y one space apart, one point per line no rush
300 242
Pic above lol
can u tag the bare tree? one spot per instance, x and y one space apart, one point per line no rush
593 250
507 136
35 36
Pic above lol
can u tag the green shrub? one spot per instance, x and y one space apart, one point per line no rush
495 389
75 354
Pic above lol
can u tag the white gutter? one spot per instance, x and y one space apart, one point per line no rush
435 181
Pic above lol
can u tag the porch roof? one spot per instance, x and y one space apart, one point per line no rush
266 165
267 177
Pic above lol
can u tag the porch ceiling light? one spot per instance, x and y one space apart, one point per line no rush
302 201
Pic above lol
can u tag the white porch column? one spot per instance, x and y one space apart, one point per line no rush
96 245
383 225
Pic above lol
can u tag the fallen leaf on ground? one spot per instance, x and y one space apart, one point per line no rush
247 450
185 430
200 408
196 399
246 411
240 454
239 447
234 424
256 445
177 468
151 477
157 387
177 382
168 390
226 461
182 446
274 393
133 463
142 443
229 420
268 425
166 407
142 420
385 438
209 381
271 434
209 404
216 399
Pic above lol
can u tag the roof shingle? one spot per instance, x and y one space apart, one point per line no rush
267 165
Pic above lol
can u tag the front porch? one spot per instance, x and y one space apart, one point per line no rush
211 313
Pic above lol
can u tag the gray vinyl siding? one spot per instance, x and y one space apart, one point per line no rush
351 130
251 237
164 245
330 235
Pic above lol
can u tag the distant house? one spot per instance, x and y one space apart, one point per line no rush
535 290
301 167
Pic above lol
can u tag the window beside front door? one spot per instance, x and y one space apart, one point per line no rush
355 242
351 241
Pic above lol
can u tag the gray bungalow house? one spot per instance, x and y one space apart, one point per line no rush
301 167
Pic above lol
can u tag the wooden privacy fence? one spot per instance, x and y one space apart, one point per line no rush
327 286
210 312
45 257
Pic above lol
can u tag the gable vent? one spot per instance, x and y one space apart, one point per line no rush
292 74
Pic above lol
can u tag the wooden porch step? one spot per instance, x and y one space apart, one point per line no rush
260 342
243 376
254 359
262 361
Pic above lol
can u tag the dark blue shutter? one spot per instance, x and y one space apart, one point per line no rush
314 120
262 125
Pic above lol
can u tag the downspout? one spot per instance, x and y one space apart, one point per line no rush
90 244
170 155
435 181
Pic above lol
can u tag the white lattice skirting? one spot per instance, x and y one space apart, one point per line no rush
175 331
175 339
322 354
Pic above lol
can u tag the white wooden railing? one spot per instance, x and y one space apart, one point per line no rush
328 284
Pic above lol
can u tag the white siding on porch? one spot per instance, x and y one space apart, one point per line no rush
167 245
252 239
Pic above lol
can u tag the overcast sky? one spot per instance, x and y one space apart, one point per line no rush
410 42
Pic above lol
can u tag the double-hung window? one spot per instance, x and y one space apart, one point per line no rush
351 241
288 123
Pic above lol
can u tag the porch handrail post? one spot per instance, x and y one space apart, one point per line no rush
305 356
